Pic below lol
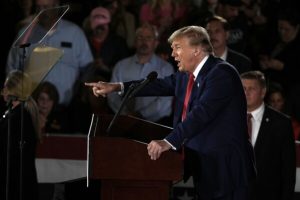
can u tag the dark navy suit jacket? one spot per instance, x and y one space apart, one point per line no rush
215 126
275 158
241 62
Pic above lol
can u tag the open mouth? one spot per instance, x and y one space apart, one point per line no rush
178 62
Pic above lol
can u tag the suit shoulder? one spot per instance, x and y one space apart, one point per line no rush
277 115
227 67
239 55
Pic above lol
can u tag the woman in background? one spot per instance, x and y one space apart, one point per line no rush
52 119
277 100
16 92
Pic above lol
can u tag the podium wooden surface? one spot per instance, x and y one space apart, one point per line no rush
123 164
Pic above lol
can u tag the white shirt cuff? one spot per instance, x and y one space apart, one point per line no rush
174 148
121 92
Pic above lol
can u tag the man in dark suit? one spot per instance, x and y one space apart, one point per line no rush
218 30
210 122
273 141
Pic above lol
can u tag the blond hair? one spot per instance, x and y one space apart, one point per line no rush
197 36
19 85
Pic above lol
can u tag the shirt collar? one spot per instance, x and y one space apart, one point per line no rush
224 55
257 114
151 60
199 67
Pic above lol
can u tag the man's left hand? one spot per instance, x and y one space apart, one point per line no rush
156 147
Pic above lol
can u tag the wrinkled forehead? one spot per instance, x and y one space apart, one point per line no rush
180 41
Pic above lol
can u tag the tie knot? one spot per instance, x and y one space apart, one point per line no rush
191 76
191 79
249 116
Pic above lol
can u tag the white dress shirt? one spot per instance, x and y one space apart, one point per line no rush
256 119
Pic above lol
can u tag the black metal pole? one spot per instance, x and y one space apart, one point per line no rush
22 143
8 151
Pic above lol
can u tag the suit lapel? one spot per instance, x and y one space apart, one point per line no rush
264 130
199 82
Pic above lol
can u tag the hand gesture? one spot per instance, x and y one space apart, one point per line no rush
103 88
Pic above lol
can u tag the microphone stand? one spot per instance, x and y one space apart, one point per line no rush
21 144
132 90
124 101
7 114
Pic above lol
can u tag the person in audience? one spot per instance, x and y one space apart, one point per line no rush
271 134
218 30
27 13
199 14
123 23
262 18
107 47
52 118
280 62
239 28
20 121
64 35
165 15
138 66
276 99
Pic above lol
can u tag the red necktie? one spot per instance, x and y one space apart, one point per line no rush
187 95
249 123
186 102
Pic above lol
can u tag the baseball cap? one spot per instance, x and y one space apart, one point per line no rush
99 16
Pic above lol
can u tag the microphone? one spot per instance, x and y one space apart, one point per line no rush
133 89
10 99
9 104
151 77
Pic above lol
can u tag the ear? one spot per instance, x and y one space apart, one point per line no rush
197 51
264 91
227 35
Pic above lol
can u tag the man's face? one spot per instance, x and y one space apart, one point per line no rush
145 42
276 101
45 103
48 17
229 12
184 54
217 33
286 31
101 29
254 93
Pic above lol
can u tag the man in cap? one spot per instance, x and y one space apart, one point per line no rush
107 47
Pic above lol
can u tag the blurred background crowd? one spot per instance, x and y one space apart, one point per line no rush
121 40
262 33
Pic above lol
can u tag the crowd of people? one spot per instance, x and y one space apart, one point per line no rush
118 41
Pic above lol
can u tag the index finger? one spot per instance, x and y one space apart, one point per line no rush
91 84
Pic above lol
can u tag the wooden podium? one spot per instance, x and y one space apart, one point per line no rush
123 164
